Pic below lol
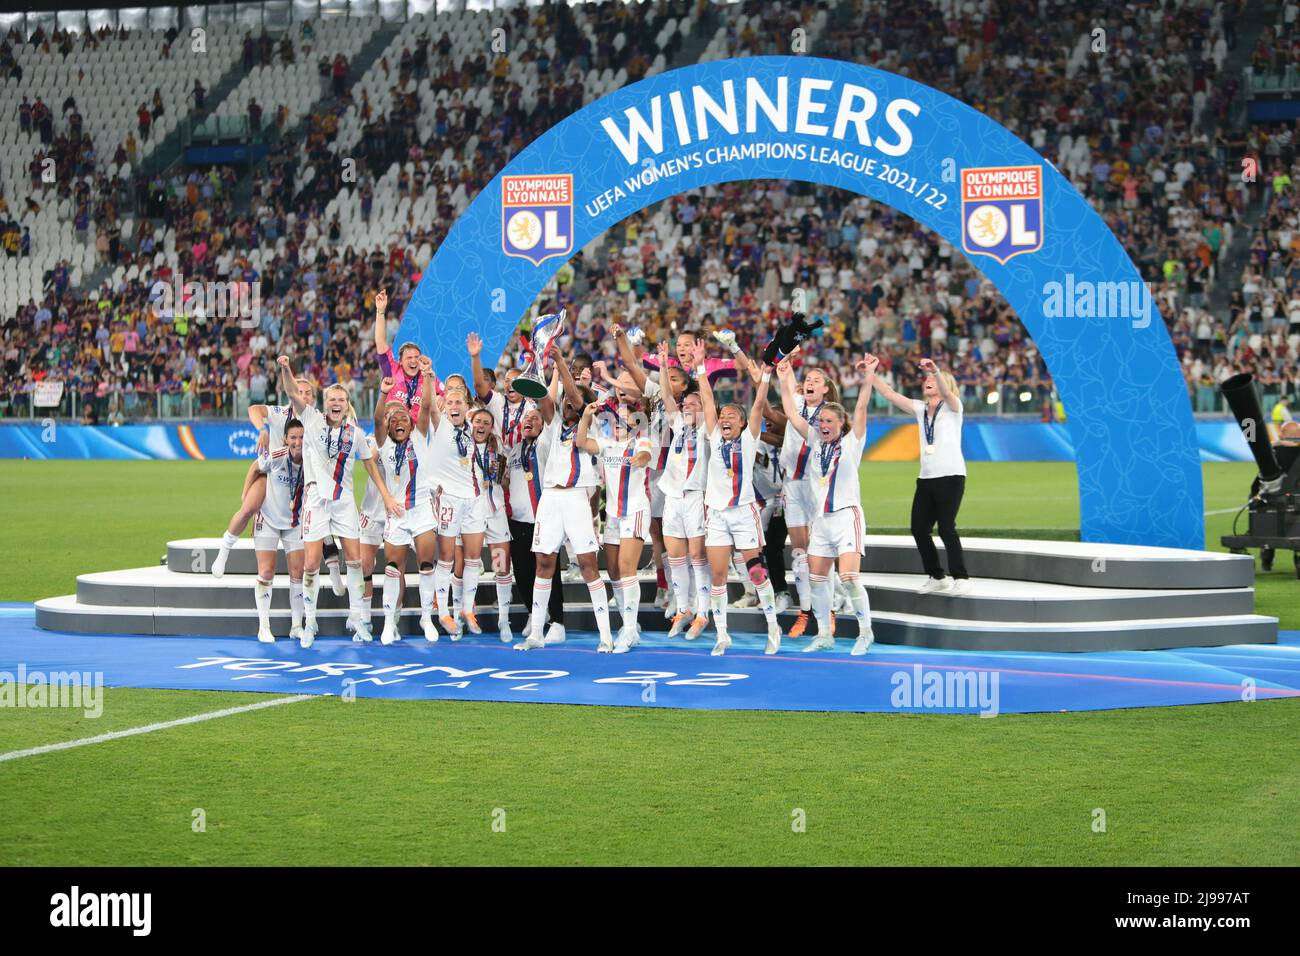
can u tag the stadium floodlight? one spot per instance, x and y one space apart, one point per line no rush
1026 396
992 398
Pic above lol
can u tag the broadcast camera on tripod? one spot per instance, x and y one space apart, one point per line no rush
1274 505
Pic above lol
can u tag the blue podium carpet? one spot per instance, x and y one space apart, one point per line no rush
662 672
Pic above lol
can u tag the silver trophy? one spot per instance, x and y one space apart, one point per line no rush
537 351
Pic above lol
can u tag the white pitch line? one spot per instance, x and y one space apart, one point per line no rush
150 728
1223 511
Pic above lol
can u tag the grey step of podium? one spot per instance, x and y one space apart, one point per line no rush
988 600
66 614
1081 564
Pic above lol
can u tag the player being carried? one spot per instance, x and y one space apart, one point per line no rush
333 441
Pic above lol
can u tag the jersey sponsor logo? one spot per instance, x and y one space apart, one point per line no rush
1002 210
537 216
242 441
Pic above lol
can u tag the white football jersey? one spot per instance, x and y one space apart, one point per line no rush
687 459
330 452
796 453
527 465
730 481
627 487
277 416
834 471
451 459
507 419
487 465
768 475
566 465
400 464
372 502
659 427
282 507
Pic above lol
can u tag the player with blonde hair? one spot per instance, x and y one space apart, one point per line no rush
457 503
333 441
838 528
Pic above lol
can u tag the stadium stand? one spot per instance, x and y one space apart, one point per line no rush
428 111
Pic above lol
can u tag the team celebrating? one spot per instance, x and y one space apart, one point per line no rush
454 467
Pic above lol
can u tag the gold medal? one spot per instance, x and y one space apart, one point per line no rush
929 449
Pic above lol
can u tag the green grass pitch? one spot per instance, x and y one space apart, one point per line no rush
424 782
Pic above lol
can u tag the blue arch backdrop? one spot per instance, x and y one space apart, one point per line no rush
898 142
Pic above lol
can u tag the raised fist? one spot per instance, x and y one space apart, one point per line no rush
381 301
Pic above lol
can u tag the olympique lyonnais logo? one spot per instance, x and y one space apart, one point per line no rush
537 216
1002 210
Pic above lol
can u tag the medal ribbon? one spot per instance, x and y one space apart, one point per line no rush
829 452
930 423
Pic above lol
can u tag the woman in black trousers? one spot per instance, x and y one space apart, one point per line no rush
942 482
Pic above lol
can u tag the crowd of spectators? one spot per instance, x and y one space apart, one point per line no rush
1142 131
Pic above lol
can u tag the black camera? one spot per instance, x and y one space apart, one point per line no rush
1274 505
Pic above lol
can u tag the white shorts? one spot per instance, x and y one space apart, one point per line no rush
635 525
413 523
372 529
740 527
684 516
839 532
496 529
323 518
564 514
657 499
266 538
457 516
801 506
769 508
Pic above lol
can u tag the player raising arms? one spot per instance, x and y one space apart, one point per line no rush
564 512
682 484
527 459
492 469
332 441
836 447
457 503
732 521
507 408
403 368
270 421
800 492
279 522
404 458
623 457
669 378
